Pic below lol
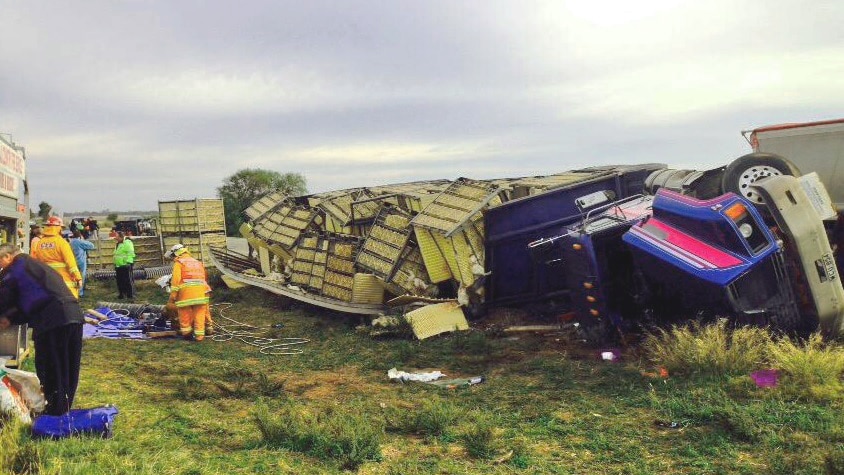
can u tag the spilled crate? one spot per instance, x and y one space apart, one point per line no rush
450 230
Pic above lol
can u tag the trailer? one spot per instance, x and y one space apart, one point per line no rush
14 228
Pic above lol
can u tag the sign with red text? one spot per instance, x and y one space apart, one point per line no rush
12 170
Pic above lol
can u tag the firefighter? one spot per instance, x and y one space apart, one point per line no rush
189 293
53 250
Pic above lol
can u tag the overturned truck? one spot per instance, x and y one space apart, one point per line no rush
618 247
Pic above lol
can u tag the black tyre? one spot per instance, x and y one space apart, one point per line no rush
747 169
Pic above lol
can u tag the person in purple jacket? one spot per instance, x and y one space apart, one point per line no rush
33 293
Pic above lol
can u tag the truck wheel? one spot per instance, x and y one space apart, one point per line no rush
748 169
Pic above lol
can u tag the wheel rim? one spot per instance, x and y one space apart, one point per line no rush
752 175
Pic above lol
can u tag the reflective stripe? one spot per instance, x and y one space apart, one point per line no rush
190 302
57 265
185 330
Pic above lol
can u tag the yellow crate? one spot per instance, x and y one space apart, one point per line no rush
199 215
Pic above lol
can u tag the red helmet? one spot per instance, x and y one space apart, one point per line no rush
54 221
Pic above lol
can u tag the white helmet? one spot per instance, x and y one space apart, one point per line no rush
175 251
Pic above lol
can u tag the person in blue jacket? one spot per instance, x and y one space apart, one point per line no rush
80 249
33 293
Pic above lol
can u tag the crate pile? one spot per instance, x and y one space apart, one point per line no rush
360 245
147 252
198 224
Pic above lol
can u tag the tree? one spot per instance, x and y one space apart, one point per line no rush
44 209
245 186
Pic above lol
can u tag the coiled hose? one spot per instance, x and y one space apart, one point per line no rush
252 335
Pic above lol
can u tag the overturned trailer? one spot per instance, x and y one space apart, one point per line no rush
621 246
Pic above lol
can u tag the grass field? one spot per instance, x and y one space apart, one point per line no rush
547 405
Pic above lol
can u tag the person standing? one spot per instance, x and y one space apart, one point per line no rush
37 296
80 249
93 228
189 293
124 260
35 233
53 250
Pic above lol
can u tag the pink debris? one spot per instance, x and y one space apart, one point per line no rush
766 378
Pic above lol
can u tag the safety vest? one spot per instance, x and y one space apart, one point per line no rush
188 282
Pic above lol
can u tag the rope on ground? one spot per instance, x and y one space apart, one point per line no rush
252 335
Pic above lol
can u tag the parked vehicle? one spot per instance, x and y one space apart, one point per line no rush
135 226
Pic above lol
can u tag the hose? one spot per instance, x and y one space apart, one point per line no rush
252 335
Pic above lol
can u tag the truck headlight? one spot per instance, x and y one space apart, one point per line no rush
746 230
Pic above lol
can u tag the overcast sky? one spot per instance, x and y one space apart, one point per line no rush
122 104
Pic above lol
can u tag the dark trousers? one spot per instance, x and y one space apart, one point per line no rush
125 281
58 353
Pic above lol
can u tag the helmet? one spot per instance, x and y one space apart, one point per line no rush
176 250
54 221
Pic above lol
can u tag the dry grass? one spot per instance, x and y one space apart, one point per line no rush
708 349
812 369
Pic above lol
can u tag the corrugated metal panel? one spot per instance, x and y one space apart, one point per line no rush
432 256
367 289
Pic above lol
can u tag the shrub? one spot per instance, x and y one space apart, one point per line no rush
434 418
812 370
481 441
711 349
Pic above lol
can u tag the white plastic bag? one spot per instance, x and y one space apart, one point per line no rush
26 384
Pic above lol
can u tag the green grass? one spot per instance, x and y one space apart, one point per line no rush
547 405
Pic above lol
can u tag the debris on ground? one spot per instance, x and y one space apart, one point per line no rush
437 318
98 421
766 378
611 355
458 382
402 376
20 393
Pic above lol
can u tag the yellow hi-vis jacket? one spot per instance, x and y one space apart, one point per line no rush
54 251
187 284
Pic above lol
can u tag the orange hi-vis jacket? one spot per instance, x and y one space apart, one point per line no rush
187 284
54 251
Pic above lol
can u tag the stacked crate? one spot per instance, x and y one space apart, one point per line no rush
147 252
339 280
198 224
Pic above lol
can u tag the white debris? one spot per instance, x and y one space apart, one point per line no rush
421 377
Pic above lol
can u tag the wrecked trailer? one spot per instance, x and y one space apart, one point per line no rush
515 277
468 241
428 239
